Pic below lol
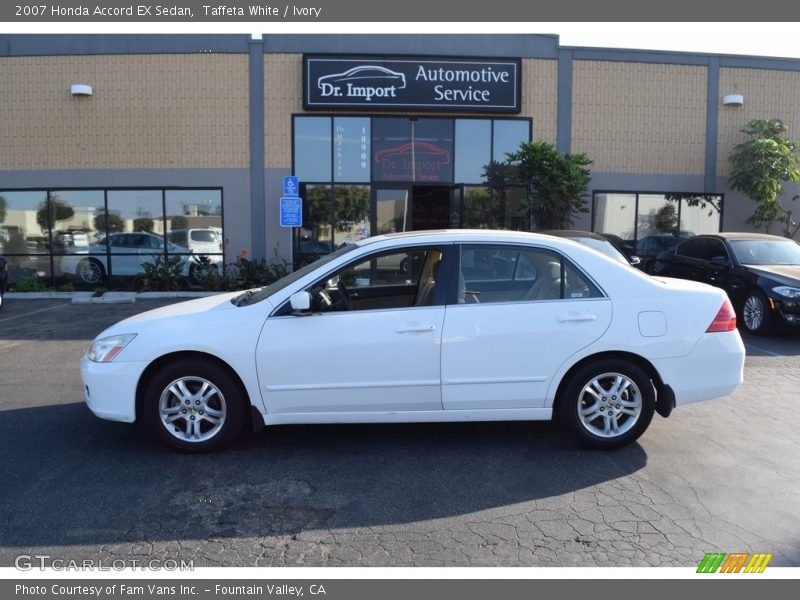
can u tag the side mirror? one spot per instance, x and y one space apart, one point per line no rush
300 303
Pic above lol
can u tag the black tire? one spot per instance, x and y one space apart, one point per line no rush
213 416
756 317
90 271
629 401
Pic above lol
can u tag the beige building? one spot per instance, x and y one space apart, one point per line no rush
189 138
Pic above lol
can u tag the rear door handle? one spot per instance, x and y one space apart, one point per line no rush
576 318
414 328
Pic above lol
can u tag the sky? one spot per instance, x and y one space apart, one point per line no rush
754 39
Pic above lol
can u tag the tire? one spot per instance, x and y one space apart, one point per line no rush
607 404
194 406
90 271
756 316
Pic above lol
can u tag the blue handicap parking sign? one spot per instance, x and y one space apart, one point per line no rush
291 212
291 186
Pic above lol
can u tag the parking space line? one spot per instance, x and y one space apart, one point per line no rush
33 312
754 347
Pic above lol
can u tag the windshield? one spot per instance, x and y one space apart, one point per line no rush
604 247
266 292
766 252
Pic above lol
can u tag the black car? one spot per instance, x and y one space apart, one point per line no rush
760 273
596 241
649 247
3 279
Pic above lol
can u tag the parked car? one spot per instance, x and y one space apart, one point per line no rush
3 279
206 242
129 251
567 332
596 241
626 247
760 273
649 247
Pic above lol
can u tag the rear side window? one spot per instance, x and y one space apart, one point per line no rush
489 273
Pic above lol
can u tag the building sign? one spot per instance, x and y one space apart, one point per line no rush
373 82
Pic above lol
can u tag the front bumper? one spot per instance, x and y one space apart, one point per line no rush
713 369
788 310
110 388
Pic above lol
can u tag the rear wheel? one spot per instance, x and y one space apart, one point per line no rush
756 316
90 270
194 406
607 404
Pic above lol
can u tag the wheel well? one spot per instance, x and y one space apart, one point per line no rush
158 363
661 390
92 259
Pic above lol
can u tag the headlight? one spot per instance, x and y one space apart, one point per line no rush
106 349
789 292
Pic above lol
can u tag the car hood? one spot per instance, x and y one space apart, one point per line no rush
191 309
783 274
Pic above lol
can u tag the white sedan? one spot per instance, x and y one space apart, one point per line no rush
424 327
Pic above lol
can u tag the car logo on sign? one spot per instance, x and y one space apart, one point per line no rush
365 81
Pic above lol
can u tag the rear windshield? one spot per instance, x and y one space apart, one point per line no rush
204 235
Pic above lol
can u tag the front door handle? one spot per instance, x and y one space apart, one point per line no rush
572 318
414 328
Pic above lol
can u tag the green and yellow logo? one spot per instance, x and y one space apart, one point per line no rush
719 562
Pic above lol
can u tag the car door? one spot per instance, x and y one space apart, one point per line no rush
371 343
517 314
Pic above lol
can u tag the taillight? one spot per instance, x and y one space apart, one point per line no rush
725 319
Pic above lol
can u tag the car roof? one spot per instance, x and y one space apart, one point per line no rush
743 235
574 233
495 235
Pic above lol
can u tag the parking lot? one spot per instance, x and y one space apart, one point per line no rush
719 476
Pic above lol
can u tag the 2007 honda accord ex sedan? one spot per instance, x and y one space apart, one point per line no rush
424 327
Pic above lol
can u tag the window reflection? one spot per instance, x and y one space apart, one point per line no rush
85 237
312 148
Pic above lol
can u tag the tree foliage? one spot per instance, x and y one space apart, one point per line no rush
759 169
558 182
55 210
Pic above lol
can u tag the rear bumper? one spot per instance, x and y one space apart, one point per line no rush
714 368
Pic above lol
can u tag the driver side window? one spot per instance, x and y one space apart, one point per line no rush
398 279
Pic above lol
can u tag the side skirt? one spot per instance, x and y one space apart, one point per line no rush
411 416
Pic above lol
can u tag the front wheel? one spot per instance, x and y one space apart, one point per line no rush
607 404
194 406
756 318
90 271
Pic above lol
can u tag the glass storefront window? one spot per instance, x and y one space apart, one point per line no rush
312 148
194 227
392 210
24 225
473 149
417 150
485 208
700 214
391 146
351 149
78 220
315 237
616 214
508 135
351 214
101 235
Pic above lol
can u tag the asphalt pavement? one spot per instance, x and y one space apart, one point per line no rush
717 476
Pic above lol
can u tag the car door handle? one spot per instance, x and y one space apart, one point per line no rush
414 328
573 318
